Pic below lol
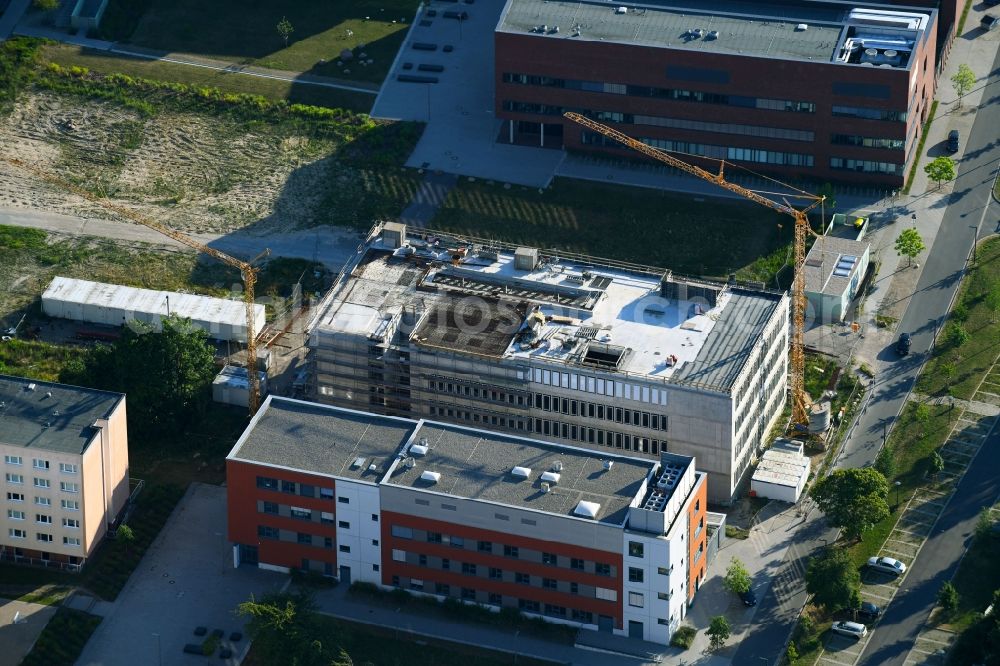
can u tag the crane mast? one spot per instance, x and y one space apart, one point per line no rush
247 271
800 401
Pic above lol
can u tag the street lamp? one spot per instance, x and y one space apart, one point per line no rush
159 655
897 484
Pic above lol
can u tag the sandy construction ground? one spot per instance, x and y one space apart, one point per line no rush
194 173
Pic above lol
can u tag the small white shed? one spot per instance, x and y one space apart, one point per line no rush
782 472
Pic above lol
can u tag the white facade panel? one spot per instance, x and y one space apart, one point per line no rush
662 590
356 531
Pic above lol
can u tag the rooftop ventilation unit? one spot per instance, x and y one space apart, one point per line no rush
546 487
521 472
373 467
712 34
608 464
551 477
430 477
358 462
587 509
557 466
418 449
409 463
802 27
31 387
621 10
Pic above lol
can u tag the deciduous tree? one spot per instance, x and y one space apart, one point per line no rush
853 499
963 81
940 169
718 631
125 536
284 630
737 578
285 29
948 598
832 579
909 244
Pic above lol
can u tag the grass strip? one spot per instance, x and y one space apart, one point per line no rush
63 639
920 148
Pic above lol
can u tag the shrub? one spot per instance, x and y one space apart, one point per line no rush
957 335
683 637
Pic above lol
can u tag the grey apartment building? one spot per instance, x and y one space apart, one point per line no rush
572 349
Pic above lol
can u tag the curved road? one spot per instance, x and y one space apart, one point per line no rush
970 209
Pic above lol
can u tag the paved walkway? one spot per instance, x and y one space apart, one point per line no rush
15 10
428 198
17 639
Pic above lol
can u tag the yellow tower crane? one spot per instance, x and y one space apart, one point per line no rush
800 400
247 270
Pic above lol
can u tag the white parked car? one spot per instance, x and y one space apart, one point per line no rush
854 630
887 565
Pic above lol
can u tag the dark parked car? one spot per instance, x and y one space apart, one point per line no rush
749 598
903 345
989 22
869 611
953 141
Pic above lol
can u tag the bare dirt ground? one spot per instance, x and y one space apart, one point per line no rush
193 173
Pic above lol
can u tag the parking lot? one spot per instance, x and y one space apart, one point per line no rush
185 580
454 92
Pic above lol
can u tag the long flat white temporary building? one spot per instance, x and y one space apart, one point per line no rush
112 304
782 472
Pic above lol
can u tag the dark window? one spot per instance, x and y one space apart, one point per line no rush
528 521
445 564
344 524
485 546
402 532
468 593
872 90
586 617
307 490
550 583
555 611
266 532
576 563
328 542
270 507
375 517
434 537
457 542
344 500
496 599
697 74
527 605
344 549
635 575
602 569
635 549
288 487
522 578
305 538
550 558
395 581
469 568
496 574
267 483
574 588
510 551
442 588
422 560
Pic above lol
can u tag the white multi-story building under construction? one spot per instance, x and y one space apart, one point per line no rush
592 352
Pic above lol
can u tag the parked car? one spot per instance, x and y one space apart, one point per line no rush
953 141
887 565
989 22
903 344
869 611
854 630
749 598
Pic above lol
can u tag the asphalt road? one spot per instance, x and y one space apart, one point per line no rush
969 205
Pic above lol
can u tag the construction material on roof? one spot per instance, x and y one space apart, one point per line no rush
115 305
231 386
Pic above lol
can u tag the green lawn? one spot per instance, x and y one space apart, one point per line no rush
978 576
246 32
38 360
274 89
710 237
912 442
961 369
63 638
366 644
